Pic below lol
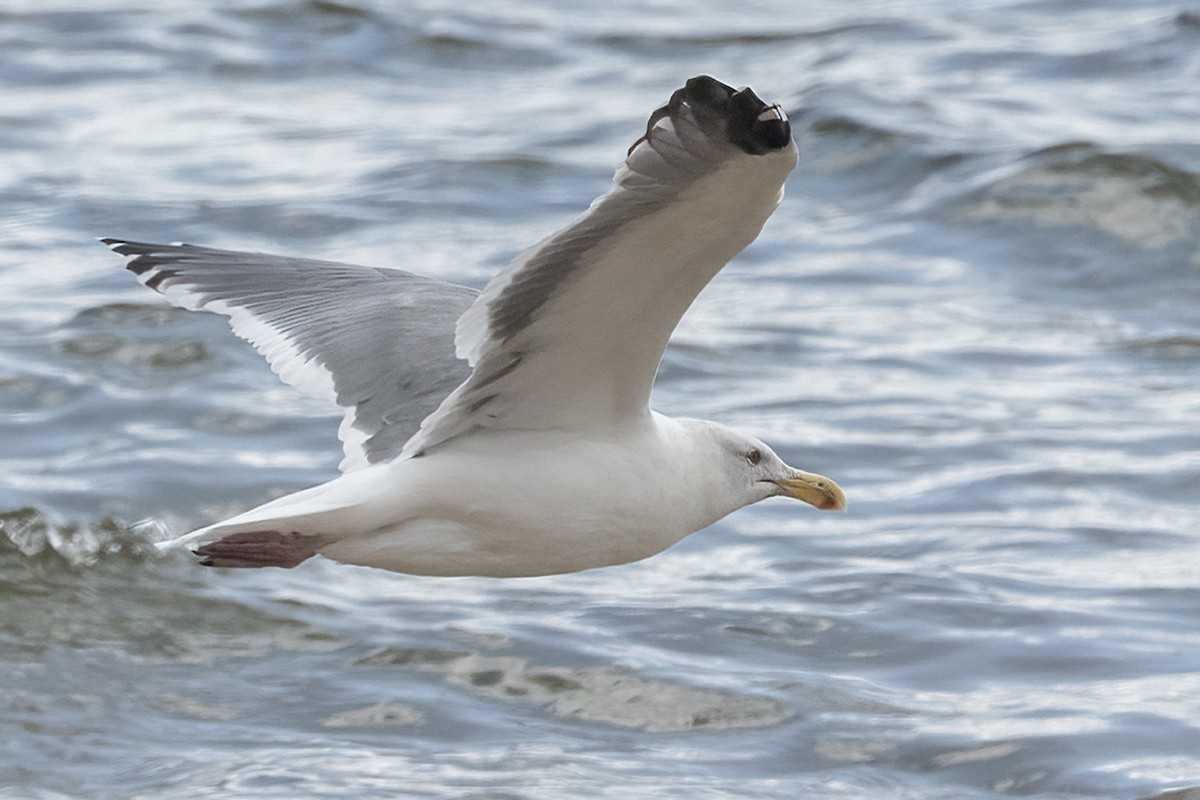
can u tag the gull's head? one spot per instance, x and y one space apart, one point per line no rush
754 472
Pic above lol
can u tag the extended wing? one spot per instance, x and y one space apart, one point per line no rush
378 342
571 333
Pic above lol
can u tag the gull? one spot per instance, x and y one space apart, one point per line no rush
508 432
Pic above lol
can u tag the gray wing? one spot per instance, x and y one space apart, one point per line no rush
569 336
378 342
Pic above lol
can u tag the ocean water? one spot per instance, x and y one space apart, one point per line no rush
978 308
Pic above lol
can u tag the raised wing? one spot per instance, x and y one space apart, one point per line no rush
378 342
571 333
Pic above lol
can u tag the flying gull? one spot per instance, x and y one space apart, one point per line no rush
508 432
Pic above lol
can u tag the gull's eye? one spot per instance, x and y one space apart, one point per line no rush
754 457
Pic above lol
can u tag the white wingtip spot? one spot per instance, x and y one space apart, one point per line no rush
774 112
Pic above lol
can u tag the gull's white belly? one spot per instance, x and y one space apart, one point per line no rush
529 510
499 548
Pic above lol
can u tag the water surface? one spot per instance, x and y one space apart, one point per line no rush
978 308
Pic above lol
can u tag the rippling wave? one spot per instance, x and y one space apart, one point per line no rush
977 308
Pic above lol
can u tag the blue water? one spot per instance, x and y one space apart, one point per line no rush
978 309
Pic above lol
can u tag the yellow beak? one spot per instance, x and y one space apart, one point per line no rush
816 490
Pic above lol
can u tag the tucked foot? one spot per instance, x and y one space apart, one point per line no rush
259 549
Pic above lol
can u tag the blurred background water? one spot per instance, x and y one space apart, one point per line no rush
978 308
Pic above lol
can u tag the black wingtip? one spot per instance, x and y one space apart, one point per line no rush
114 244
146 257
751 124
125 247
746 121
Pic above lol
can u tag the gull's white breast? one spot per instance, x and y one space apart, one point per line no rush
514 503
